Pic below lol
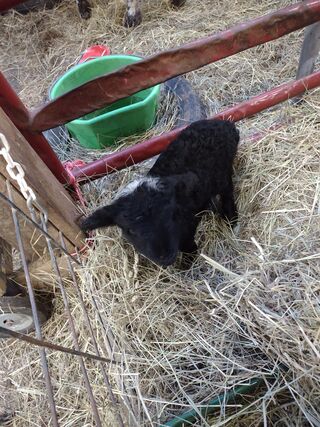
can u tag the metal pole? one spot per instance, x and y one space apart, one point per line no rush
72 328
309 53
91 333
140 152
18 114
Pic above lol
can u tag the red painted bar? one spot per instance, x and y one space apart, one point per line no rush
152 147
9 4
17 112
158 68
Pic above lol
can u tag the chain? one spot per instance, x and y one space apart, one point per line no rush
16 172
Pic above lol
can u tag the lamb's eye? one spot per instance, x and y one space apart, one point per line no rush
130 232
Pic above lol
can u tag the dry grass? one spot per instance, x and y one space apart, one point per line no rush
250 304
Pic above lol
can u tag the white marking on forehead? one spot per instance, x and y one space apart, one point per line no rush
151 182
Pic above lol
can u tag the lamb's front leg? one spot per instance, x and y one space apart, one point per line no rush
228 206
133 16
189 248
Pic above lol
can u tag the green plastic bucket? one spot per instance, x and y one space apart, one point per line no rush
125 117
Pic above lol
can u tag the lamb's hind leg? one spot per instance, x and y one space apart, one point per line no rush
133 16
228 206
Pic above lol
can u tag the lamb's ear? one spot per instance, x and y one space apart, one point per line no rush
103 217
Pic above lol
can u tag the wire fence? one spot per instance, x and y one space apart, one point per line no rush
56 251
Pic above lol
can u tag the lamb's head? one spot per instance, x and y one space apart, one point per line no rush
146 212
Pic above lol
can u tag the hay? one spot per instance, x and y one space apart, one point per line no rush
248 307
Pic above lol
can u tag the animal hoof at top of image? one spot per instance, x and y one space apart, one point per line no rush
84 9
131 21
178 3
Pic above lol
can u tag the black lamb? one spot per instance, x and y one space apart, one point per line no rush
159 213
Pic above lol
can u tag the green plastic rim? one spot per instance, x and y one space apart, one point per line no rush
82 67
127 116
190 417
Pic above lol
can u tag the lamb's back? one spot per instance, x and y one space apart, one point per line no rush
206 147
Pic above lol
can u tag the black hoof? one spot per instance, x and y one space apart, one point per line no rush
84 9
132 20
178 3
187 261
86 15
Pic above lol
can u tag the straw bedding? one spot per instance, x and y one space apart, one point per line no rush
249 306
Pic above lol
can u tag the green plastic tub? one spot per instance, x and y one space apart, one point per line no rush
125 117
